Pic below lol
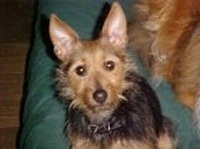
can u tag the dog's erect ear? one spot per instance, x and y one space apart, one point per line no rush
63 37
115 27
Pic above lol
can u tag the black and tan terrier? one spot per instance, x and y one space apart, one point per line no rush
111 106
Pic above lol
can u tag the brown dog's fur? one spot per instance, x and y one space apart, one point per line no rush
95 65
166 33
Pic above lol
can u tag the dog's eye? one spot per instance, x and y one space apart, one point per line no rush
110 65
80 70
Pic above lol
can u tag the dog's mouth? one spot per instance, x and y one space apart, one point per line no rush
99 112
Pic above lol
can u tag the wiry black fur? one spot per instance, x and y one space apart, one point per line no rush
139 116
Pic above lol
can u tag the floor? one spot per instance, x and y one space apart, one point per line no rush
15 24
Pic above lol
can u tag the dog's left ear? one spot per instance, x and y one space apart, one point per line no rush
115 27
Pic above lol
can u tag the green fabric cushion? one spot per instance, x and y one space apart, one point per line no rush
43 115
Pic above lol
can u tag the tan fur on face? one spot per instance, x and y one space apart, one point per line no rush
93 55
166 34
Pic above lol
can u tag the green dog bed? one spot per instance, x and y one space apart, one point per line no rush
43 117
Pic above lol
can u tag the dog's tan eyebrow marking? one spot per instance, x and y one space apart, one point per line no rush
67 66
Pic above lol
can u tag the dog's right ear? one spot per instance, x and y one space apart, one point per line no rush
63 37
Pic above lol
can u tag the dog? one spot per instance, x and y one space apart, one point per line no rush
166 34
110 105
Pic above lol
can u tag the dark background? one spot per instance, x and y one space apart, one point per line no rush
15 28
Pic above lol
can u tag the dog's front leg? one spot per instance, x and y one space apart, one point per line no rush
131 144
81 143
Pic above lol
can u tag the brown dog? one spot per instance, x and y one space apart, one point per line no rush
110 106
166 33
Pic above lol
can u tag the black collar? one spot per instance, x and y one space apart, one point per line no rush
105 127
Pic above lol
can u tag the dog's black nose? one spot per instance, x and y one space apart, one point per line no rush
100 95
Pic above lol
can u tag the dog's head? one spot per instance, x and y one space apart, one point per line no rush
92 72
